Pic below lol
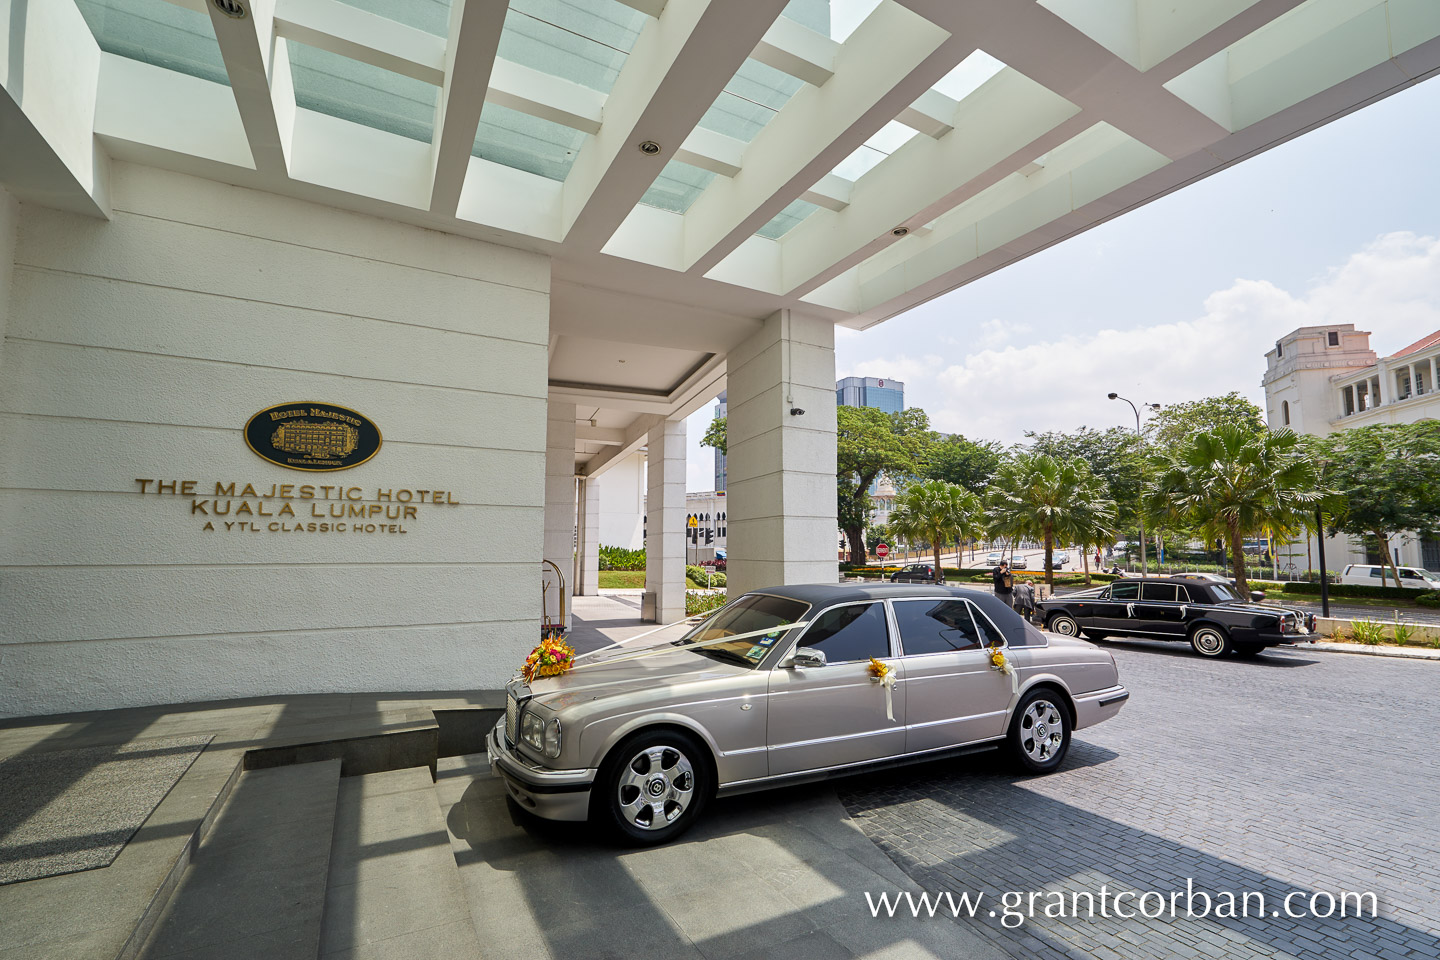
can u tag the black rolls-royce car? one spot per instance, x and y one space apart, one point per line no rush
1211 616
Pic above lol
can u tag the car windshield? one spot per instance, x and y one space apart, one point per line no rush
1224 593
745 616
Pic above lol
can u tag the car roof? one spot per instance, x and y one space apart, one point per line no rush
824 594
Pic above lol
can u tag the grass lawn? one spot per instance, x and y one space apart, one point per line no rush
622 579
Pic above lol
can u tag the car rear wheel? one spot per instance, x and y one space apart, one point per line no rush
1210 642
1040 731
1096 635
653 786
1248 650
1064 624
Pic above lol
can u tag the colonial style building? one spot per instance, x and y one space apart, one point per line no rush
1326 378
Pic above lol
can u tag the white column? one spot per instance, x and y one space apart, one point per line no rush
559 505
665 523
587 553
9 220
781 463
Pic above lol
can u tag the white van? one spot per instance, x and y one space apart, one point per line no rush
1371 575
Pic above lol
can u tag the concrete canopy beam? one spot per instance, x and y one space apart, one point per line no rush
258 63
678 66
475 27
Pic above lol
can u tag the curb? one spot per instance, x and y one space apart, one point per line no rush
1404 653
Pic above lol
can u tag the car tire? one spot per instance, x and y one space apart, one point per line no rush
1210 642
1098 636
1063 624
1041 711
1248 650
653 776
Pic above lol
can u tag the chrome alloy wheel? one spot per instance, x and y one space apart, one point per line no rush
656 787
1042 732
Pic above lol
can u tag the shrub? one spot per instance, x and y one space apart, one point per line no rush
1355 590
717 579
1403 632
619 558
1368 632
697 602
1430 598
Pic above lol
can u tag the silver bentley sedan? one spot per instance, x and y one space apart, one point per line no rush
790 684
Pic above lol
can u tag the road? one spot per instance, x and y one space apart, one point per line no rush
1298 770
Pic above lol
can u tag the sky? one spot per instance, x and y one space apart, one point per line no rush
1179 299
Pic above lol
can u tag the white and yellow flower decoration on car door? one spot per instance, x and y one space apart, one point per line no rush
884 674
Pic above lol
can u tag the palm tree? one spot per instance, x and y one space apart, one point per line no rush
1236 483
1035 495
936 512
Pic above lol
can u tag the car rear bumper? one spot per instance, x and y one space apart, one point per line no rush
1099 705
552 794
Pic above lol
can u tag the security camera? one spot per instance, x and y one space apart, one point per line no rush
796 412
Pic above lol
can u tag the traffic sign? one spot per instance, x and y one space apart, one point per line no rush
692 523
882 550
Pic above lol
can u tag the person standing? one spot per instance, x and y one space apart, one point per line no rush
1024 593
1004 584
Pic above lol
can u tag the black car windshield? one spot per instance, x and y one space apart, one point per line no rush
1224 593
746 615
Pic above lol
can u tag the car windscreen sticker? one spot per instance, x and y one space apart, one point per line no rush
755 652
766 640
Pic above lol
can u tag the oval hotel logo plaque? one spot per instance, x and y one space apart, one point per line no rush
313 436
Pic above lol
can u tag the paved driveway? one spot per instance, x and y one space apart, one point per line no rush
1294 771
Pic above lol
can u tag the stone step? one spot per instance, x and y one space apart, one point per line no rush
256 886
394 890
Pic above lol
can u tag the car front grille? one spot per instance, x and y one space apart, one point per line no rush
512 719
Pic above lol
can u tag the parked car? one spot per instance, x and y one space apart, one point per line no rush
994 559
1373 575
1060 559
1256 595
641 744
1209 614
916 573
1018 562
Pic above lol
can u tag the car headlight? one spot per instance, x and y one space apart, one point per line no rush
552 737
540 735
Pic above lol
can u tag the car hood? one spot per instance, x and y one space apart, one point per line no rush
607 675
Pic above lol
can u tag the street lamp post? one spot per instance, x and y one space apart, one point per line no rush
1144 566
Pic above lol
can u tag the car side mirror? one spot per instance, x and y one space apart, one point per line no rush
1257 595
805 657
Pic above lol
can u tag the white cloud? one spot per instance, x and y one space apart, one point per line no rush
1001 388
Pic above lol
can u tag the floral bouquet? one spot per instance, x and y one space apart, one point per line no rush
998 661
552 658
883 674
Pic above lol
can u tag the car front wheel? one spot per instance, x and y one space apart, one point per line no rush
1064 625
1040 731
1210 642
653 786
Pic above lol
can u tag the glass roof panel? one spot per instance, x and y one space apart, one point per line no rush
786 220
340 87
678 186
583 41
754 95
968 75
872 152
836 19
432 16
157 32
528 143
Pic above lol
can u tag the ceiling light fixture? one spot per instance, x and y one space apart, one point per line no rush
900 231
649 147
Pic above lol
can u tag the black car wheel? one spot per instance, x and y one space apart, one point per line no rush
1248 649
1096 635
1039 731
1211 642
653 786
1063 624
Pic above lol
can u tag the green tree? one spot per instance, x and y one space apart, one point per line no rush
1236 483
1036 495
868 443
954 459
1177 422
1385 479
1115 456
715 435
935 512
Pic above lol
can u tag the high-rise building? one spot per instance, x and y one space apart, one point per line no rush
720 407
886 395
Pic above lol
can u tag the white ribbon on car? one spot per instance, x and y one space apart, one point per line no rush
888 682
1130 610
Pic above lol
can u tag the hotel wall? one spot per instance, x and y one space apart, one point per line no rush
139 347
